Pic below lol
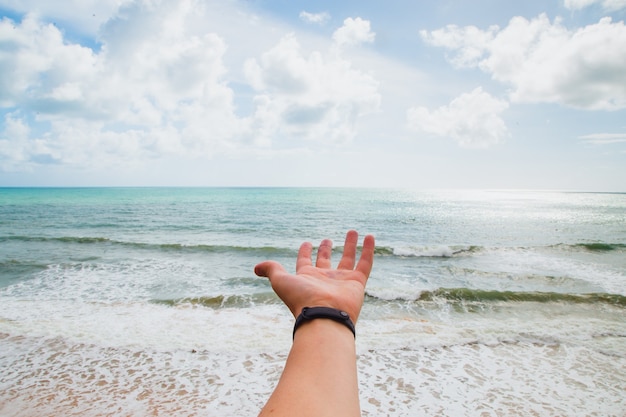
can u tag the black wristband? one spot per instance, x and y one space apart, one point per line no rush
310 313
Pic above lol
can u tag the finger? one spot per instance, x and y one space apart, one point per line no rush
304 256
323 254
268 269
349 251
367 256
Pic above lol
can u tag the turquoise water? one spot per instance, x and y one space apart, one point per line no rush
492 302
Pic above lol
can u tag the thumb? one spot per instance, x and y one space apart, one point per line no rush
268 269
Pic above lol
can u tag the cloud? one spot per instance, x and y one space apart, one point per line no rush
157 86
35 60
316 96
153 88
15 147
354 32
608 5
470 43
543 61
84 16
472 120
604 138
316 18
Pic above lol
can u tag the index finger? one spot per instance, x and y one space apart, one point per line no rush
367 256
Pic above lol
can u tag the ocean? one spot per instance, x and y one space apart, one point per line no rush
143 301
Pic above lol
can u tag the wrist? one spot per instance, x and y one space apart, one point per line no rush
309 314
324 332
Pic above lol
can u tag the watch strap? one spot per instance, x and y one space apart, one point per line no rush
312 313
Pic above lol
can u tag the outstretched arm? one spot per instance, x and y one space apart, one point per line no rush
320 375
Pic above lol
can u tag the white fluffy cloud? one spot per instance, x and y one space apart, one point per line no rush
15 148
543 61
316 18
472 120
313 96
609 5
150 77
158 86
354 32
35 61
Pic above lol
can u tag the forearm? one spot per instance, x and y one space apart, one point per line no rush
320 376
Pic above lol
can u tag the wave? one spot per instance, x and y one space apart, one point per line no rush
441 295
424 251
269 250
450 251
12 270
468 295
223 301
64 239
600 246
435 251
440 251
14 263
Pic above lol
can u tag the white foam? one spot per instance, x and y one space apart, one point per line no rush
150 326
505 379
88 358
56 376
409 325
440 251
517 269
122 281
51 376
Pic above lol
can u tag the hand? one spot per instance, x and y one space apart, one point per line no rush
320 286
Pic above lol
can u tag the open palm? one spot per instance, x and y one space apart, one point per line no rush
320 285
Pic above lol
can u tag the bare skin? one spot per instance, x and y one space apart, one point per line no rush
320 375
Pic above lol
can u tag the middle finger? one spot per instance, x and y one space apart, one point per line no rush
323 254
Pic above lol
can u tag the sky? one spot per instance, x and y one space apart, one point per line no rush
488 94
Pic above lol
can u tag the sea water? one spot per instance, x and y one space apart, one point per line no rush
143 301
